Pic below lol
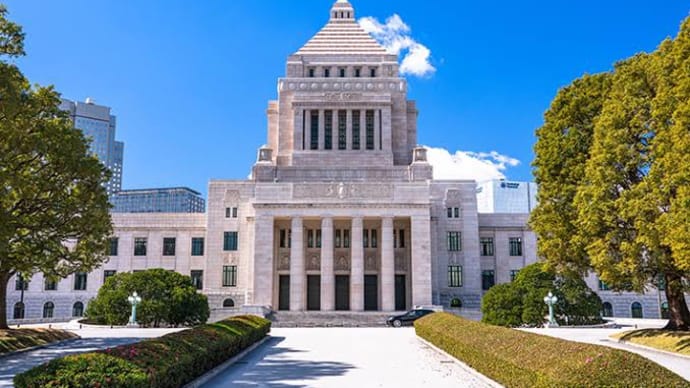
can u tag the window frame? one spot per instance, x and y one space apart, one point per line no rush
229 277
169 246
515 246
230 241
198 246
81 280
454 241
140 246
454 276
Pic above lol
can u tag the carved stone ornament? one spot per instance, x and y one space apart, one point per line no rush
232 196
342 263
314 263
342 96
453 196
370 263
342 191
284 263
400 263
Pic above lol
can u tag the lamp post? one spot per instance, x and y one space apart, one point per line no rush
550 300
134 300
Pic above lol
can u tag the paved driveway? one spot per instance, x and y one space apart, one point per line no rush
344 357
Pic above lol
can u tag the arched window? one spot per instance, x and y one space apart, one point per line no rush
48 309
636 310
455 302
18 310
228 303
607 309
78 309
664 310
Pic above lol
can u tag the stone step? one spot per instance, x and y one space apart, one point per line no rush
330 319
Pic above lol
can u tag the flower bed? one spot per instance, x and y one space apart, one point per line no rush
169 361
519 359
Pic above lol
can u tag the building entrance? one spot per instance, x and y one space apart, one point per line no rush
400 292
284 292
342 292
313 292
371 293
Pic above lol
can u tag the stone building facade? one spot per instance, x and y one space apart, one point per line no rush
341 211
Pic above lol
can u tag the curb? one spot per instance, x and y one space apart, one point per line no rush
20 351
651 349
464 366
206 377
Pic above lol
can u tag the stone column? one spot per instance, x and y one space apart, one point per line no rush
327 274
363 129
297 274
387 265
348 129
263 261
307 130
421 260
377 130
322 130
357 266
298 135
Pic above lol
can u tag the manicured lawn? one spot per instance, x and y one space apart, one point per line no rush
519 359
17 339
672 341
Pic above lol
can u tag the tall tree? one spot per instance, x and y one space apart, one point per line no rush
559 167
54 214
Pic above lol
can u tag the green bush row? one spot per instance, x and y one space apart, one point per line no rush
519 359
169 361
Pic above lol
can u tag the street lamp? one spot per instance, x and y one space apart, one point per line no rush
550 300
134 300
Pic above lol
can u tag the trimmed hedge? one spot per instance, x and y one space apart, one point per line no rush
12 340
169 361
519 359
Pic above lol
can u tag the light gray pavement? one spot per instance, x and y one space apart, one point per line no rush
344 357
92 339
677 364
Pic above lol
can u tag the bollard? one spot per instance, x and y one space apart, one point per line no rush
80 326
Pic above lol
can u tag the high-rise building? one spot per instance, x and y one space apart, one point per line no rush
159 200
97 124
502 196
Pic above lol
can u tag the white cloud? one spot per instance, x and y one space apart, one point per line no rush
479 166
394 35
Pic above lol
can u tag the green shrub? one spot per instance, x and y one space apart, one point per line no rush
169 361
519 359
12 340
167 297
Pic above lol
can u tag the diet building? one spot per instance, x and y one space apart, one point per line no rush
341 211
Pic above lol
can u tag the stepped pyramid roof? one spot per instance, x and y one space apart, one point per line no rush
342 35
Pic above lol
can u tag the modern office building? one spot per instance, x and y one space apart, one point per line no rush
97 124
503 196
341 211
158 200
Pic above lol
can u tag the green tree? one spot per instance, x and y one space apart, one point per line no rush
534 282
167 298
502 305
54 212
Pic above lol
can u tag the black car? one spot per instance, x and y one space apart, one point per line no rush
408 318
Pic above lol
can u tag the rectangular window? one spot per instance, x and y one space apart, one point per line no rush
326 73
169 246
355 129
310 238
454 243
487 279
401 238
513 274
197 246
346 238
112 246
337 238
342 72
515 246
108 274
311 72
20 283
450 212
234 212
342 129
140 246
365 238
486 246
374 240
456 211
229 275
372 72
230 241
328 130
318 238
197 276
283 238
454 276
358 72
49 284
230 212
369 122
603 286
314 133
80 281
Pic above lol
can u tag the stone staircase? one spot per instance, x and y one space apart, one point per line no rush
329 319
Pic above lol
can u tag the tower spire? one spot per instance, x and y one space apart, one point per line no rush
342 10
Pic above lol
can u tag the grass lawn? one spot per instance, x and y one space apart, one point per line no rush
672 341
16 339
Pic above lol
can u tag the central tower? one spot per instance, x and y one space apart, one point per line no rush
341 106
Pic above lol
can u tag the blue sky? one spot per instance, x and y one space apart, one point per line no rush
189 81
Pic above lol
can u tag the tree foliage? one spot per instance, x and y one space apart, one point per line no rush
167 297
53 208
521 303
626 209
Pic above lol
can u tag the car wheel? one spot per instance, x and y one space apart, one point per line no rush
397 323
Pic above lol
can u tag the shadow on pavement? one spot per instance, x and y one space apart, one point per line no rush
266 367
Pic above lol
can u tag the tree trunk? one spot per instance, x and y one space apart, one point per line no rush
4 278
679 315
